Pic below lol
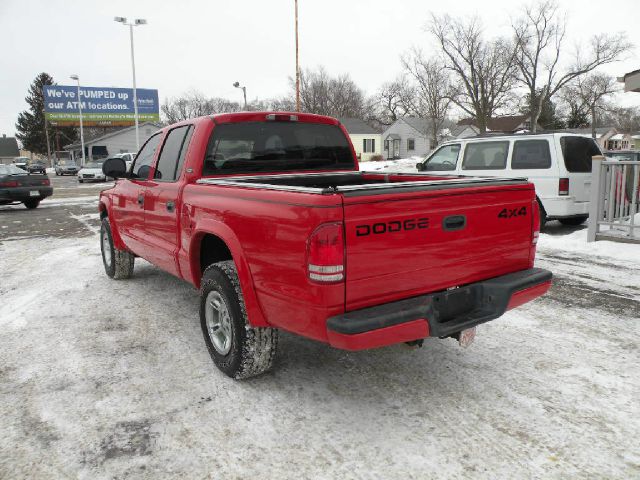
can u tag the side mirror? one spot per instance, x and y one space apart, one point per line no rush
115 168
420 167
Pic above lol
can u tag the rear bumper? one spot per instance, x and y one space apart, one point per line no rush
19 194
563 207
437 314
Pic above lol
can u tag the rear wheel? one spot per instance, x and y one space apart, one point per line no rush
543 216
238 349
118 264
32 203
574 220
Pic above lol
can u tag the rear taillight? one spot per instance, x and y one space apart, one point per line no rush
563 186
46 182
536 222
9 184
325 254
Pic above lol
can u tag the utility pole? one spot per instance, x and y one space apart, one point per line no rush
297 64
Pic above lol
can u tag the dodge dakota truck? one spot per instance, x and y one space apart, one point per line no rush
269 216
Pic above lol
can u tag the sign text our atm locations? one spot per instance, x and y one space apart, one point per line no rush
100 105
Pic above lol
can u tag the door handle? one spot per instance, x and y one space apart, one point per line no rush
140 200
171 206
454 222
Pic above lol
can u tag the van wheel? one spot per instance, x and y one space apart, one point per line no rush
118 264
238 350
573 220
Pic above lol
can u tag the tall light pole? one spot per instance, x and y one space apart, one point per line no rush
297 64
244 91
77 79
136 22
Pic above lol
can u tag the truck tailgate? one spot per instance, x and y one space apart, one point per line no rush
400 245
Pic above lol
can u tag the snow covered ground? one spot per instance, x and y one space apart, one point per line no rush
403 165
102 379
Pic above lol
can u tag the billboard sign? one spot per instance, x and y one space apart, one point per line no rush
101 106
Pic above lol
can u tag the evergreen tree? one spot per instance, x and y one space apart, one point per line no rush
548 119
31 125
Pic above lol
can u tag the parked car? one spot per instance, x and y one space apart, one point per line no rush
67 167
558 164
21 162
37 166
267 214
92 172
16 185
128 157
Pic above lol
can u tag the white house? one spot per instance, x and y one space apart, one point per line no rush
407 137
117 141
366 140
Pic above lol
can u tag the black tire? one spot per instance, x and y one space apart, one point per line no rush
57 174
543 216
80 180
118 264
573 221
32 203
252 350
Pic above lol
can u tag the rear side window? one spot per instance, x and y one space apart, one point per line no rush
173 150
577 153
530 154
276 146
485 156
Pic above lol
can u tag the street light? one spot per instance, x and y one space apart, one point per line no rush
77 79
244 91
136 22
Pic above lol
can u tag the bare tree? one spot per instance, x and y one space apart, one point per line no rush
434 90
625 119
195 104
483 68
394 100
591 91
540 35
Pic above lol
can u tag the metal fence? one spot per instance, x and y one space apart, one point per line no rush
614 211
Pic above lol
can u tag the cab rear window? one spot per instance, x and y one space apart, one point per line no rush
577 153
530 155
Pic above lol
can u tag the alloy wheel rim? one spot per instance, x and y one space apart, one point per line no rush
218 320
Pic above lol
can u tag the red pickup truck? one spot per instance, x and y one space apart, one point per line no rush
268 215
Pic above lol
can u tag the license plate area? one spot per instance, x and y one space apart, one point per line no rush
34 193
456 303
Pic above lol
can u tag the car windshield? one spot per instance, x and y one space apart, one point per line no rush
11 170
68 163
94 165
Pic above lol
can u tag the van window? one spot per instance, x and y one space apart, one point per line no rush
530 154
577 153
445 158
485 156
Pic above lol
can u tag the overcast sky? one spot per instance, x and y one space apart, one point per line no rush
208 45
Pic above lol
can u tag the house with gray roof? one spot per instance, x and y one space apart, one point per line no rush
407 137
367 141
8 149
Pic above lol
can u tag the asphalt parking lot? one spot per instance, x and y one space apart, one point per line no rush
105 379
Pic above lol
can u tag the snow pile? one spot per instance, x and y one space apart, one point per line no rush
405 165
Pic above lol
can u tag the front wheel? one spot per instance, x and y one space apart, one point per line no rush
238 349
118 264
573 221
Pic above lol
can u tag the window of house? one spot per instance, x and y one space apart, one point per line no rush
411 144
485 156
146 156
173 150
530 154
369 145
386 145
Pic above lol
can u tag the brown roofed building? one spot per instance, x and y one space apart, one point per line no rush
504 124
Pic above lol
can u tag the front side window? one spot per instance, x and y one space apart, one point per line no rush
485 156
577 153
166 169
276 146
445 158
145 157
411 144
530 154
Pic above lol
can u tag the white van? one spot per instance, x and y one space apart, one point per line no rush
558 164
